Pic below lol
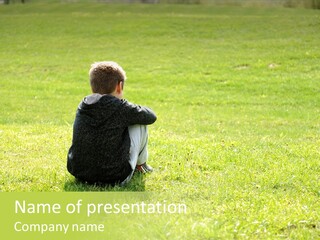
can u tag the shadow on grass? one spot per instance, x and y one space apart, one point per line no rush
137 184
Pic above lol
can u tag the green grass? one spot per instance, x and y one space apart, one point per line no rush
236 92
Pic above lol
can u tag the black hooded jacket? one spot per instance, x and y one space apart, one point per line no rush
100 145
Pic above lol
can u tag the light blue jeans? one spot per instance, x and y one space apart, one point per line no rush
138 148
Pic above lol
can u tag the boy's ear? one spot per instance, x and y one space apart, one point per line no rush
119 87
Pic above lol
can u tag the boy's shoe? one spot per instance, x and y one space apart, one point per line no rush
144 168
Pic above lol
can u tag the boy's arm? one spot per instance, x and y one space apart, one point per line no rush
136 114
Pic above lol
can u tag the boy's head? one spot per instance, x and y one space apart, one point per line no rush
107 78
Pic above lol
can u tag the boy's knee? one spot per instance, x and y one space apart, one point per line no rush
137 130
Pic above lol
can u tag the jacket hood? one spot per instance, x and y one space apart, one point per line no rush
97 109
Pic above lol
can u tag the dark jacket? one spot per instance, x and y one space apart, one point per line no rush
101 143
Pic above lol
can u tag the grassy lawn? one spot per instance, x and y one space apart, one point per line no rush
236 92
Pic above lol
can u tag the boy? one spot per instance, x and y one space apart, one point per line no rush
109 133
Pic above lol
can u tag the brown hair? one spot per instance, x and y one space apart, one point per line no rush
104 76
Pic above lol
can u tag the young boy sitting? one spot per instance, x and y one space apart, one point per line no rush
109 133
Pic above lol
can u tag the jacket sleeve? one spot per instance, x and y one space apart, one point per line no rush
136 114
